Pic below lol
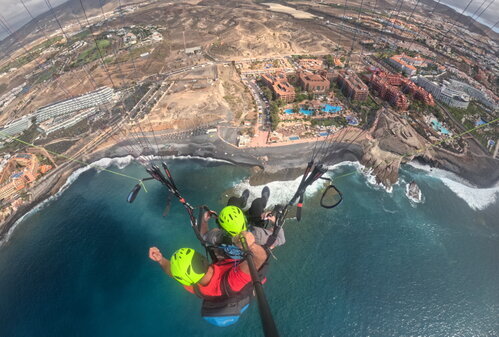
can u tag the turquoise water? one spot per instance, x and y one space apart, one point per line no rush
331 108
377 265
306 112
438 127
302 111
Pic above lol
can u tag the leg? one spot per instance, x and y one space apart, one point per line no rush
258 207
239 202
255 212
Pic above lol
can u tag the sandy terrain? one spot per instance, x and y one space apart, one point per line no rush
188 103
200 97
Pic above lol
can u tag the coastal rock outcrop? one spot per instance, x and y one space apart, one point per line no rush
395 142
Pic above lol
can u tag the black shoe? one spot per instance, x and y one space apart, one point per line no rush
244 197
266 193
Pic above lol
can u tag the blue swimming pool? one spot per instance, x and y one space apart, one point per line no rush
302 111
294 138
331 108
438 127
306 112
480 122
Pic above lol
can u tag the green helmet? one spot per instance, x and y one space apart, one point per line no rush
188 266
232 220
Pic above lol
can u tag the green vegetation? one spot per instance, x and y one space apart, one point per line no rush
421 108
60 147
275 107
92 53
430 67
79 37
30 55
329 60
267 92
469 115
386 54
138 93
299 57
46 74
473 111
27 136
336 121
141 32
301 97
43 160
76 130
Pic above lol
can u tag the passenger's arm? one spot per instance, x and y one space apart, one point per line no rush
204 223
155 255
258 252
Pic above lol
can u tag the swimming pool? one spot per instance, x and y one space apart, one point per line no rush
480 122
302 111
294 138
331 108
438 127
306 112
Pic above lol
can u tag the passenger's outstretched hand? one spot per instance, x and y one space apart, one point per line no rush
155 254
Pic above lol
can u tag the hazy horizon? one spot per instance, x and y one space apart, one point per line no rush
16 15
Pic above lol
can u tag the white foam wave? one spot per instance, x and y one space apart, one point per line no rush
371 179
184 157
414 200
99 165
476 198
281 191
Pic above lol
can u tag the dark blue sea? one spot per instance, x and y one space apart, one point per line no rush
378 265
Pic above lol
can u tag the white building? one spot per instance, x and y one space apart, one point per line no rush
474 93
63 122
430 86
445 92
100 96
454 98
16 126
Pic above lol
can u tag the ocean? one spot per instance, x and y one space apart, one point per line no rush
377 265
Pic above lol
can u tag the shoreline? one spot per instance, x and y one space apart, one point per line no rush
267 164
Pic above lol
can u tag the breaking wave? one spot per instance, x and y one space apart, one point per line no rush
476 198
370 178
187 157
99 166
281 191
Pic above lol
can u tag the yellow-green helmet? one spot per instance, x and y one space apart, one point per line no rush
188 266
232 220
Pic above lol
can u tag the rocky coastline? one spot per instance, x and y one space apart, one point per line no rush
283 163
